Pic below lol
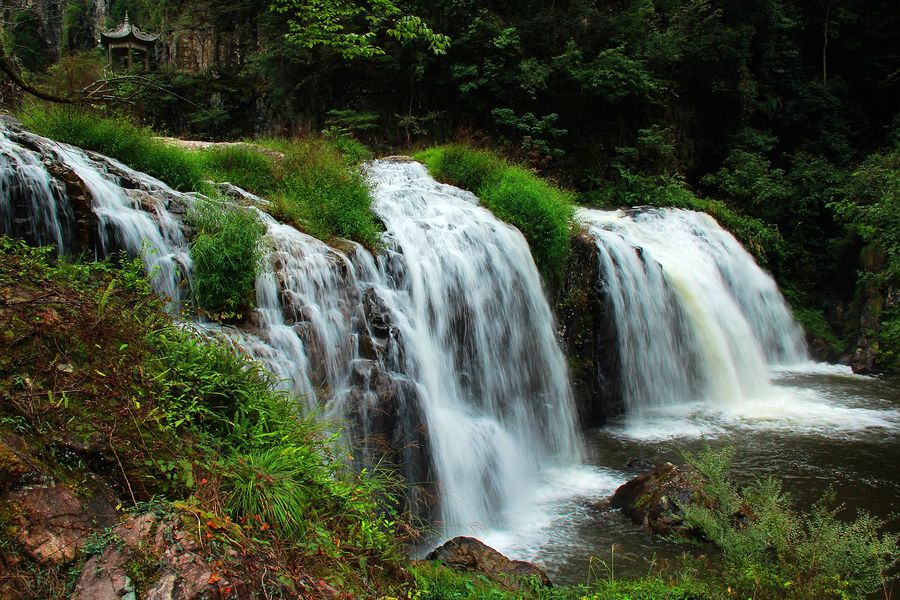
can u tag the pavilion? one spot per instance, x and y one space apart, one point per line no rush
128 36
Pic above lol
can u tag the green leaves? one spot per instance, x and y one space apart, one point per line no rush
352 28
540 210
774 551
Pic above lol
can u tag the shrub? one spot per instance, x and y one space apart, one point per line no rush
463 167
118 138
226 253
541 211
777 552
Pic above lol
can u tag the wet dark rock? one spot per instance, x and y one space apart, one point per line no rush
18 467
378 315
388 421
640 465
470 555
655 498
820 350
588 336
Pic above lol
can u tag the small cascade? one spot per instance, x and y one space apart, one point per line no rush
135 218
696 317
34 205
308 312
478 339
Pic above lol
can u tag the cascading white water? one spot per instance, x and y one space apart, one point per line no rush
696 317
307 312
148 230
478 339
33 204
443 344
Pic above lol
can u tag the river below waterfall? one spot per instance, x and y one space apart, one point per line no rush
824 427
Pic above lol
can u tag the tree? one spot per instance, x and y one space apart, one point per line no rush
352 28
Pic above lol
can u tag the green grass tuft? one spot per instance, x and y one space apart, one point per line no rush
540 210
243 165
318 192
118 138
226 253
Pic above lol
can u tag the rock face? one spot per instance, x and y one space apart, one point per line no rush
588 334
875 301
655 498
183 573
473 556
52 524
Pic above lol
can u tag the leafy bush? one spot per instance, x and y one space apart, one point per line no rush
120 139
541 211
188 417
226 253
777 552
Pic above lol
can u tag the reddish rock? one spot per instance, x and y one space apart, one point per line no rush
655 498
52 524
103 577
474 556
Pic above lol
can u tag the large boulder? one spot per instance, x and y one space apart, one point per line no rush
655 498
469 555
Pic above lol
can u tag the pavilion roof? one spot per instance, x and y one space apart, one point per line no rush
127 30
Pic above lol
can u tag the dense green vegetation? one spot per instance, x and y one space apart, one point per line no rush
313 184
226 253
769 108
119 139
770 550
541 211
186 418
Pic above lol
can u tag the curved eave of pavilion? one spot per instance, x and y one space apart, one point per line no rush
127 33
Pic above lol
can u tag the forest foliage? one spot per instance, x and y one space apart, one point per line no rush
765 109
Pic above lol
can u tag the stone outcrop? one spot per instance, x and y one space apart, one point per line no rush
874 300
470 555
52 524
588 335
654 499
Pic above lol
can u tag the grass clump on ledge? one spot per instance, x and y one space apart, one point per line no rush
118 138
313 184
540 210
226 253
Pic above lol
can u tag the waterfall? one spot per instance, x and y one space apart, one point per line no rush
438 352
478 339
696 317
135 219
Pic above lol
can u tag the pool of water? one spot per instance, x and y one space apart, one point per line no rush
820 427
